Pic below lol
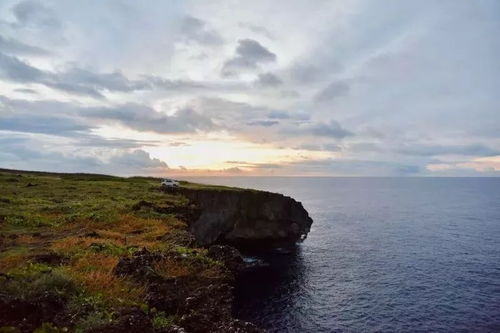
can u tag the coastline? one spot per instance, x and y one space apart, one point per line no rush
96 253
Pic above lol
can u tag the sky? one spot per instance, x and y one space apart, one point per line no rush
257 88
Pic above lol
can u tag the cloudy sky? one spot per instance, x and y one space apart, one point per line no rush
335 88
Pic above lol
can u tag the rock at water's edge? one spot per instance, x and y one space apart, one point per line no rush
247 218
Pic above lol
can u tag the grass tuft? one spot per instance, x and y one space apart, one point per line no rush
172 267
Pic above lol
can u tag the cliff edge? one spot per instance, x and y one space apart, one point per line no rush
246 218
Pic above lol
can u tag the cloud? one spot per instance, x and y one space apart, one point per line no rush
144 118
11 68
66 119
257 29
406 83
90 140
351 167
332 91
13 46
313 70
432 150
26 91
232 115
30 153
137 162
34 13
252 165
84 82
486 166
249 55
114 81
229 114
319 147
40 117
196 30
264 123
331 129
268 80
276 114
42 124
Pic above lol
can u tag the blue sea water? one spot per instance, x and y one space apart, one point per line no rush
383 255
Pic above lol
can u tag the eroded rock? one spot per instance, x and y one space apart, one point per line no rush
247 218
228 255
29 314
49 258
132 320
139 265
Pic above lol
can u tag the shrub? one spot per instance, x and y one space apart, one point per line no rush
95 273
161 321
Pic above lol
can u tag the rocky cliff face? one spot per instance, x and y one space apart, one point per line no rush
247 218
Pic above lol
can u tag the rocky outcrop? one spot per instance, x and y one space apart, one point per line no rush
201 303
247 218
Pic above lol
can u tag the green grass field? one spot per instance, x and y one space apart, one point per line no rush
63 234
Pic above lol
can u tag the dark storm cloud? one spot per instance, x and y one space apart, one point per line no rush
13 46
196 30
249 54
268 80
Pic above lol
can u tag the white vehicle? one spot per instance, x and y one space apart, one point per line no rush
169 183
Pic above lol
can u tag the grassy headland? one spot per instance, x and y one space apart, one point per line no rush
62 237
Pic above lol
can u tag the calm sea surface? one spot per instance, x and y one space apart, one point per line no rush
383 255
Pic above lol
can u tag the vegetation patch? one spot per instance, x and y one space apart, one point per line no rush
62 237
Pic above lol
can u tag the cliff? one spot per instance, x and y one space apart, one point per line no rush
246 218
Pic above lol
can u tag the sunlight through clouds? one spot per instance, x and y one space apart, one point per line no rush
404 89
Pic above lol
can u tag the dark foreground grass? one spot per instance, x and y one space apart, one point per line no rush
63 235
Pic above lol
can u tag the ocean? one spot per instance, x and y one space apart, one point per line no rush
383 255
